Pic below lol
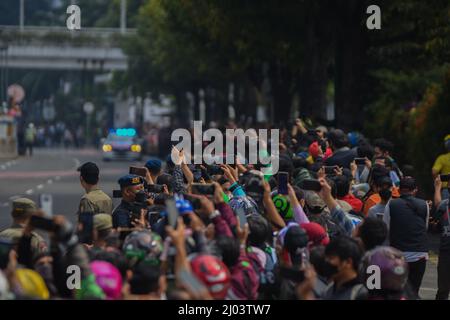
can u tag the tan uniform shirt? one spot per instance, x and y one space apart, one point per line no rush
96 201
15 232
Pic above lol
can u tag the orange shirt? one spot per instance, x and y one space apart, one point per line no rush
375 199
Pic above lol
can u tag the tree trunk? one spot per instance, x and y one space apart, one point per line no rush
313 82
350 62
313 92
182 106
281 87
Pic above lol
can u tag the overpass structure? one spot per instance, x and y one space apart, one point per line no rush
57 48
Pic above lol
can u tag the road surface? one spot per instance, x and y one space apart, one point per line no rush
53 171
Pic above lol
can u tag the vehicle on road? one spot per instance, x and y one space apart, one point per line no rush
122 144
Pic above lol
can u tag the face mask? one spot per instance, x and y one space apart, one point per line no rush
140 196
329 270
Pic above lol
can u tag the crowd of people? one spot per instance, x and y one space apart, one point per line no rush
54 135
346 224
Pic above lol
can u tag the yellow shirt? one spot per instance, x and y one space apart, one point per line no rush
442 165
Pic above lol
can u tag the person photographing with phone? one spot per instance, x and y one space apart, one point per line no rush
154 168
131 210
22 210
442 215
442 166
338 216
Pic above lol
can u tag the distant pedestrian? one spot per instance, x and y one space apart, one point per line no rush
30 138
68 138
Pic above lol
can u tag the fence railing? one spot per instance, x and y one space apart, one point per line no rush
62 35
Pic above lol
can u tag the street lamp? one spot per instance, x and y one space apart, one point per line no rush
140 113
22 15
123 16
3 71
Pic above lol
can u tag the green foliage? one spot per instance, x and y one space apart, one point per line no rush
110 17
429 124
37 13
408 59
198 43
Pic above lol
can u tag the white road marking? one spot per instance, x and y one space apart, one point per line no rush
49 181
57 178
428 289
14 197
77 163
29 191
8 164
39 186
5 204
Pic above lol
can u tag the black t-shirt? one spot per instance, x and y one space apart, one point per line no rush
279 289
351 290
442 213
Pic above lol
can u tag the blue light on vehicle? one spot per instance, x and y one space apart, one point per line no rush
124 132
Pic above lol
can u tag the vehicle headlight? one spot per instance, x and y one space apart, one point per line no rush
107 148
136 148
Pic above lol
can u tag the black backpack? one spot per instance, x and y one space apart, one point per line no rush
334 230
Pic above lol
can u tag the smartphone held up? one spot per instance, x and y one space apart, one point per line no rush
283 179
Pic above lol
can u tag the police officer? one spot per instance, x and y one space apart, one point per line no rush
94 200
124 216
154 168
22 209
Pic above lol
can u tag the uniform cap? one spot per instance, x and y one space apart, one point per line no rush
130 180
23 206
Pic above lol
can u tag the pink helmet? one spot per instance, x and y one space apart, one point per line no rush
108 278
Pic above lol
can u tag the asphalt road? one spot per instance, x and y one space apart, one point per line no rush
53 171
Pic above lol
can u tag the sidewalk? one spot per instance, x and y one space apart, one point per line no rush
429 283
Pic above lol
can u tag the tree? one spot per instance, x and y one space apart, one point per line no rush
111 16
240 42
407 61
428 125
36 12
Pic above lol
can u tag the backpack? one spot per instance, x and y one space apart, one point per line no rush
333 229
265 272
244 283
